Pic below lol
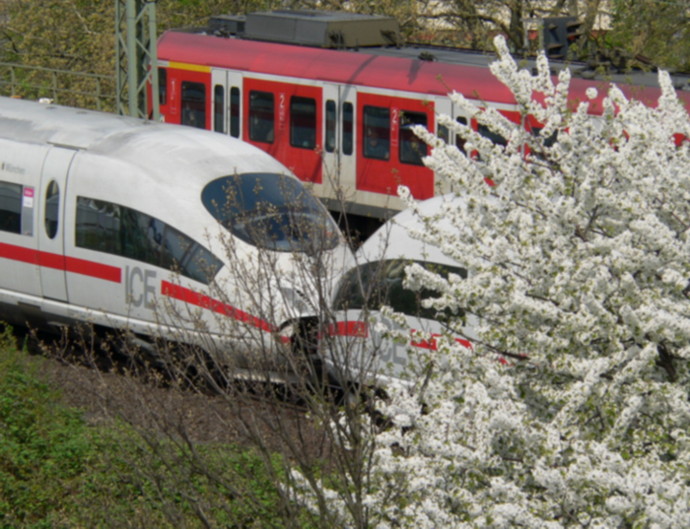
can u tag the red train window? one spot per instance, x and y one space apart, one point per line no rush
261 116
330 125
445 134
194 104
348 127
235 112
377 133
412 148
162 86
495 137
303 122
218 108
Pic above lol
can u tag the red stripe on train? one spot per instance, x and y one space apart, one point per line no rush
432 344
93 269
60 262
358 329
206 302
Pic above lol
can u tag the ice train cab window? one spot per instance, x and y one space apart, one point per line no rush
378 283
52 208
111 228
10 207
271 211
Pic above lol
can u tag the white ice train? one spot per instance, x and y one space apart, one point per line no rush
158 229
362 343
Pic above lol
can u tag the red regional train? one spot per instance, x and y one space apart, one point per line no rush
333 95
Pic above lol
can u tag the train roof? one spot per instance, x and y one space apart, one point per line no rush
394 239
421 69
130 139
33 122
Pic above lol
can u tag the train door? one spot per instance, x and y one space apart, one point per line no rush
444 106
188 96
389 154
286 121
348 137
338 159
20 169
51 225
447 107
219 103
226 90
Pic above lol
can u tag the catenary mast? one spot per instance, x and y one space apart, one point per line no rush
135 47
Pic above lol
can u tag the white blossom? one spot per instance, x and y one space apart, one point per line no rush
578 260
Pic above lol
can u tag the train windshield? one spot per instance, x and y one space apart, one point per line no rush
377 283
271 211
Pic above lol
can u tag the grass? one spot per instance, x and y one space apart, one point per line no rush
58 471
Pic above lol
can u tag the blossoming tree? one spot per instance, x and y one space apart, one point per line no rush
579 268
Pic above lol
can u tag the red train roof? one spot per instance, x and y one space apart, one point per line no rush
349 67
363 68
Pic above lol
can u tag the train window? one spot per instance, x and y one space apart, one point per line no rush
303 122
378 283
10 207
235 112
180 253
445 134
496 138
271 211
459 140
218 108
548 142
141 236
115 229
261 116
348 128
377 132
200 264
162 86
98 226
52 209
330 125
412 148
194 104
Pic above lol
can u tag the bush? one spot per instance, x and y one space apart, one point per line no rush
56 470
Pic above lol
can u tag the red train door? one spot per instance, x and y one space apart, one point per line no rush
186 95
389 154
285 120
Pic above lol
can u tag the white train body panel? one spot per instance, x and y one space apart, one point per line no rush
68 175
